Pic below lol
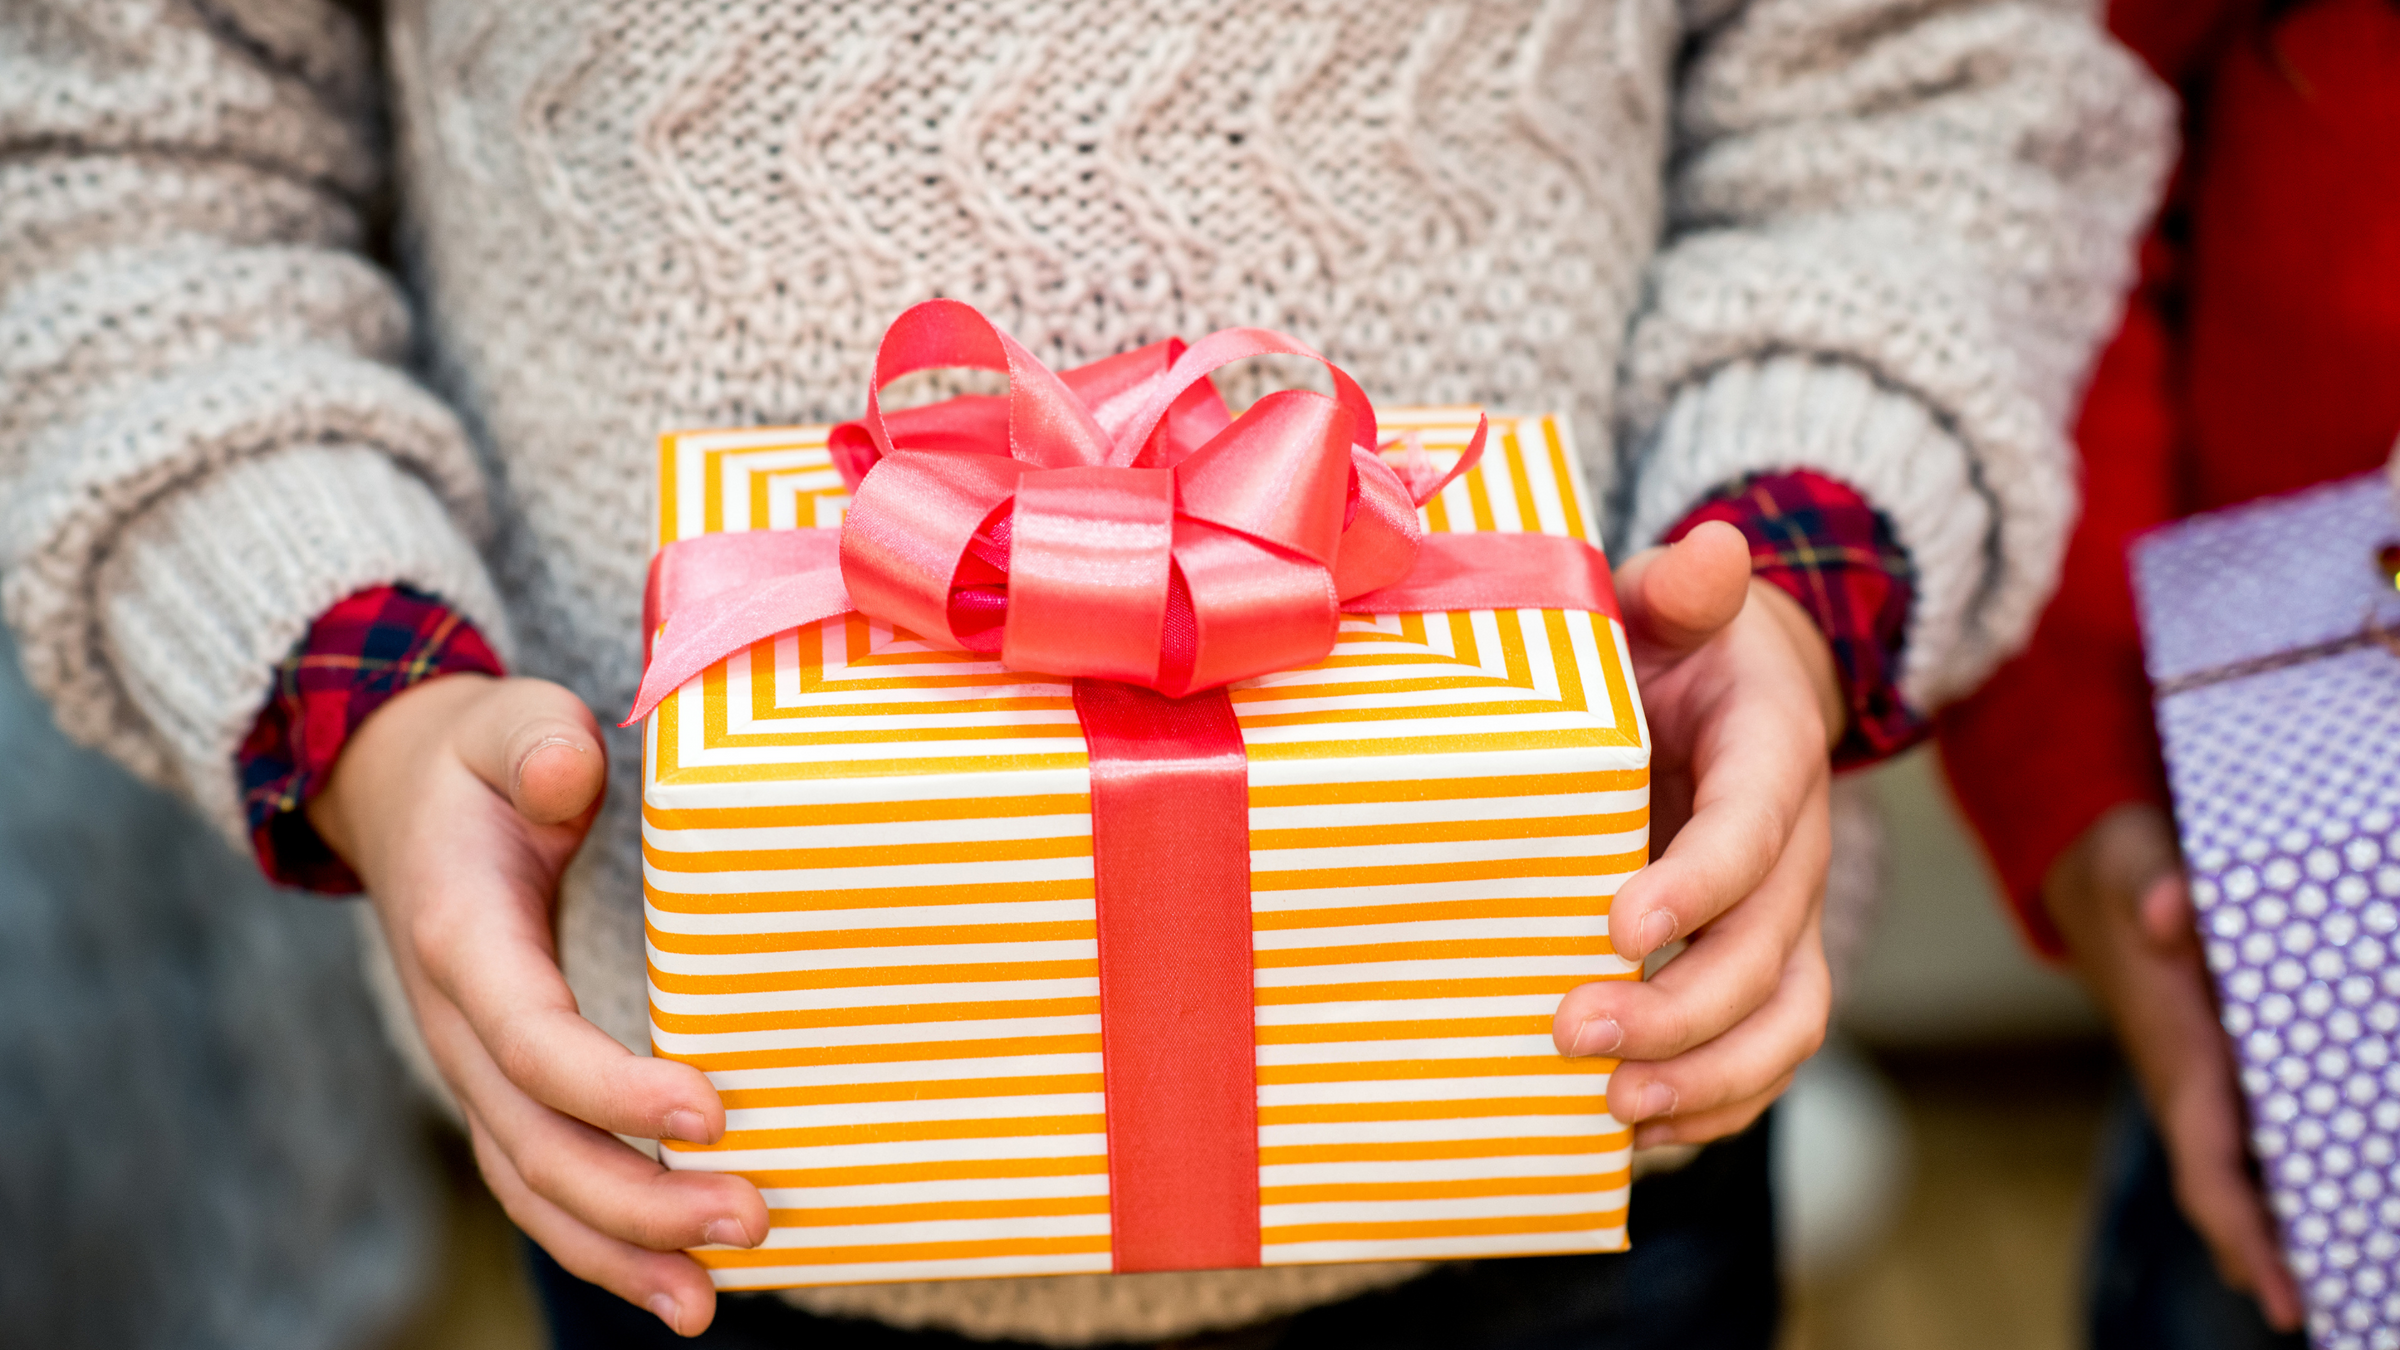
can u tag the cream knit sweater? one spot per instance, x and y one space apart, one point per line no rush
1874 237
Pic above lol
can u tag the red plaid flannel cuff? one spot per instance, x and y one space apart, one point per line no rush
356 656
1821 542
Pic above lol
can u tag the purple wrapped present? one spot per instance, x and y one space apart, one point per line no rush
2278 691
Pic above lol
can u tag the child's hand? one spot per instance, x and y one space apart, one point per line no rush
2119 897
1740 691
459 803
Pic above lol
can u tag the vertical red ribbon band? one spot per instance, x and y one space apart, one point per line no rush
1171 864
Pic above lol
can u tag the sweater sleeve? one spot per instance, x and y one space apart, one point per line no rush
206 435
1896 231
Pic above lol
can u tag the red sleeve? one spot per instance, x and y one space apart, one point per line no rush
358 654
2179 38
2064 732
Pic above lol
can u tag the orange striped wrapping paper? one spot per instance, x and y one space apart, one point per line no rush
870 918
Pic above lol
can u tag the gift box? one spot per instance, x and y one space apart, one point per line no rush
2278 699
920 918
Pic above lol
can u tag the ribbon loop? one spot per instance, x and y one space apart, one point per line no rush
1254 610
1117 389
1424 481
1281 474
1379 545
908 530
1089 551
1223 348
1048 426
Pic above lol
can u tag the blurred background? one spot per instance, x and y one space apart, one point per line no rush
207 1142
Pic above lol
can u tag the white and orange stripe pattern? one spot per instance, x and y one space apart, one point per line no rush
870 912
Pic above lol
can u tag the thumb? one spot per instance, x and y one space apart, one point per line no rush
1677 597
538 745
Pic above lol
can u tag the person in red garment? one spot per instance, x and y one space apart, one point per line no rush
2260 354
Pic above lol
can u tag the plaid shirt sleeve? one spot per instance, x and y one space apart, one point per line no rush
367 648
1819 540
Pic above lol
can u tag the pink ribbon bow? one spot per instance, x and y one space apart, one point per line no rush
1113 522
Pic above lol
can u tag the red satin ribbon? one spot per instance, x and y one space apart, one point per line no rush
1171 862
1114 524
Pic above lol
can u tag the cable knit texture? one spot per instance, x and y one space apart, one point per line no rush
1889 236
1896 240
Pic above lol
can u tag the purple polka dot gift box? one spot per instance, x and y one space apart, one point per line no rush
2270 633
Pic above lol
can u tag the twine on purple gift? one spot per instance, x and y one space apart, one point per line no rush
2370 634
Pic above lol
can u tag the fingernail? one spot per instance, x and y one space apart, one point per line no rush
665 1310
687 1125
1657 1100
1599 1035
1656 930
726 1233
538 747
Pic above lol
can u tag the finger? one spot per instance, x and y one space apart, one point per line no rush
671 1285
1729 971
2200 1121
562 1061
2278 1293
486 948
1708 1126
2223 1204
590 1174
1680 596
539 745
1761 781
1744 1062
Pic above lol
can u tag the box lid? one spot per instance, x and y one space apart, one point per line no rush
2264 577
851 698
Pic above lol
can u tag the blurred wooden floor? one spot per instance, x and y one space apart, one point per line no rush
1984 1256
1987 1251
483 1300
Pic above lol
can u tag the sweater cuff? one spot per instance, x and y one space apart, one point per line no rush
1786 413
357 656
207 589
1819 542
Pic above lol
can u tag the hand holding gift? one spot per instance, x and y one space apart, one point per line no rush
2268 636
451 800
1742 701
459 803
2123 904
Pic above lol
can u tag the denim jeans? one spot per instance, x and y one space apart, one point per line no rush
1700 1276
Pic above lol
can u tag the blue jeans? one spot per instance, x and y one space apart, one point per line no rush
2151 1283
1700 1276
